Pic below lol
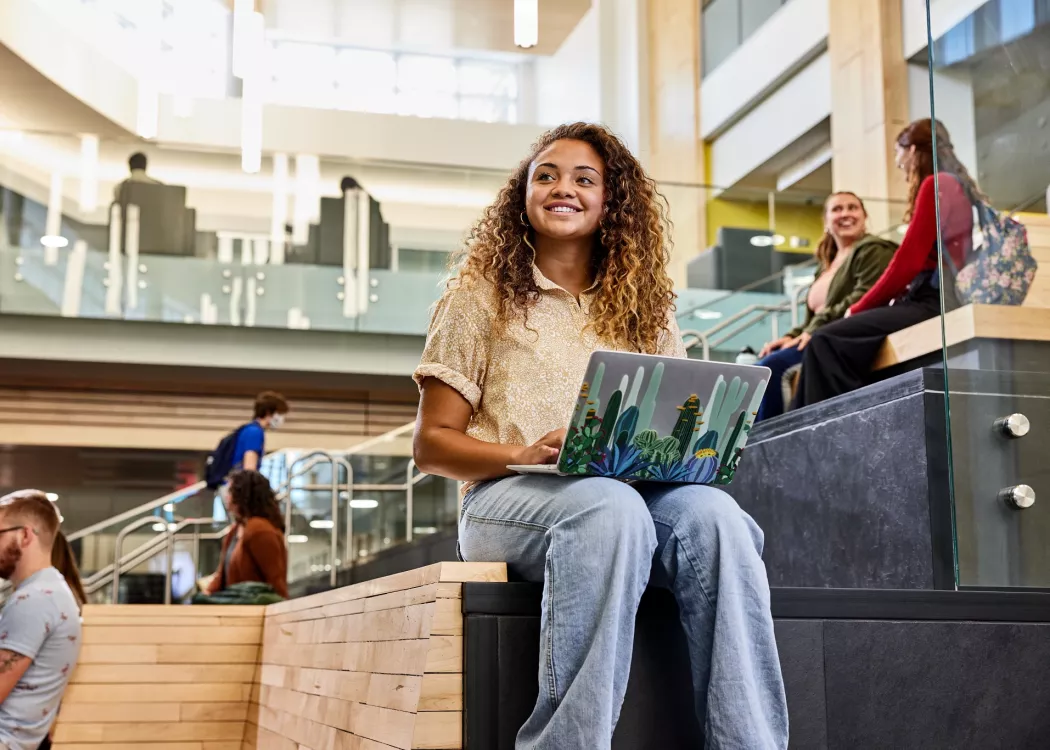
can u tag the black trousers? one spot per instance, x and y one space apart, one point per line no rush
839 357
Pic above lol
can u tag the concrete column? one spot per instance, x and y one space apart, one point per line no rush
674 145
621 38
869 103
953 95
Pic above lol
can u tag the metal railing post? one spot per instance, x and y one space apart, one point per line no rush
349 551
196 553
169 562
333 550
797 303
409 500
118 547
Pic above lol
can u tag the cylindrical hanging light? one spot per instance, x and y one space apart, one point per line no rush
245 20
53 238
279 214
526 22
88 172
252 51
307 202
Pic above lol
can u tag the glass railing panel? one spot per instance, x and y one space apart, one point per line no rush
296 296
987 78
180 290
400 302
32 280
95 546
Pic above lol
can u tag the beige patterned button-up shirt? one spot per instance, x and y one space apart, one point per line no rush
524 383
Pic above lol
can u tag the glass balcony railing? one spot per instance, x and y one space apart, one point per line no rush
226 271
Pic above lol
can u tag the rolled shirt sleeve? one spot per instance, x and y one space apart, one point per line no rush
458 342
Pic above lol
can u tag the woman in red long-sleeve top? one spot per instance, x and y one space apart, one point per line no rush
839 357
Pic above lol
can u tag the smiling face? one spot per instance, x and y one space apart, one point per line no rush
565 192
844 218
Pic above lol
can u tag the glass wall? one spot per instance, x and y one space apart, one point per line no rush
743 254
990 78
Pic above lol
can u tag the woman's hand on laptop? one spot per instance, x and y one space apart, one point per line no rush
543 451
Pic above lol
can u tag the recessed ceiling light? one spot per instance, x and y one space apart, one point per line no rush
321 523
364 504
526 23
298 538
53 240
761 240
707 314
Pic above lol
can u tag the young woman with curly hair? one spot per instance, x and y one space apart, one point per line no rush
840 355
254 549
572 258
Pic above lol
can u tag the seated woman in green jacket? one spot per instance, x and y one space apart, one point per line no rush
851 261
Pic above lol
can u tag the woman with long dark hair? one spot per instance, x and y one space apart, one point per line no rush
572 258
254 549
840 355
849 262
65 562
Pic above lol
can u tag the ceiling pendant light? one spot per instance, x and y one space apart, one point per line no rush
526 22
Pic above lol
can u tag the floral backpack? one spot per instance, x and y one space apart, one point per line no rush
1000 268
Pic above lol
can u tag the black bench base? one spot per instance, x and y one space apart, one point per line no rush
875 669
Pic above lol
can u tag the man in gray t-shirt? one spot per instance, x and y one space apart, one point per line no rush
39 624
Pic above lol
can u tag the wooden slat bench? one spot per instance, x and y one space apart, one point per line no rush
373 666
969 323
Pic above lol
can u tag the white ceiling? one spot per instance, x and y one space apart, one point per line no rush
420 25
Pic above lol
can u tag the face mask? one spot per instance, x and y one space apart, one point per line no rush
276 420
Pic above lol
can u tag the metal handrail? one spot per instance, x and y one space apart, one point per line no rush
744 325
173 497
118 547
145 551
314 458
751 285
804 289
178 495
168 537
704 337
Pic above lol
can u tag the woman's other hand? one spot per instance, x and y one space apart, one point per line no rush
803 340
773 346
543 451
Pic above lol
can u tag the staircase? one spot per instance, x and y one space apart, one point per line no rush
342 510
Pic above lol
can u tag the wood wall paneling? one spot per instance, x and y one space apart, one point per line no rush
375 666
177 678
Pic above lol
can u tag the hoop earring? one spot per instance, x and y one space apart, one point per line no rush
524 221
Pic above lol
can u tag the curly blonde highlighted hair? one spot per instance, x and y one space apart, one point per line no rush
633 295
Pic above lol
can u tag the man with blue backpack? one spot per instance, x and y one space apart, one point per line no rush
244 447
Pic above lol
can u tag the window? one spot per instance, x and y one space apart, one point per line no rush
327 77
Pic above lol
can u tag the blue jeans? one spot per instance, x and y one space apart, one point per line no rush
594 542
779 362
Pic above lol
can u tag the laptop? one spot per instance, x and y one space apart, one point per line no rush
663 419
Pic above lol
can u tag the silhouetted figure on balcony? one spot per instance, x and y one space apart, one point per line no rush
137 164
